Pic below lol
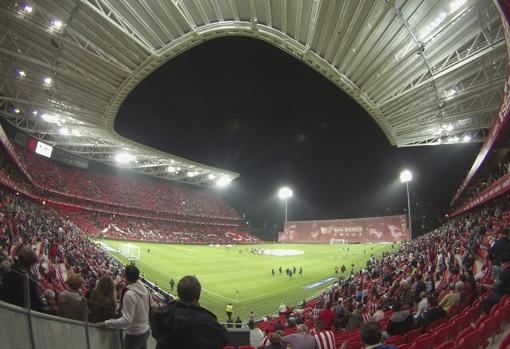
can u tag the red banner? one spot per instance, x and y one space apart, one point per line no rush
372 229
497 188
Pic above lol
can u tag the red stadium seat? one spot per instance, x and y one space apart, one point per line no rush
424 341
445 345
469 340
412 335
443 333
396 340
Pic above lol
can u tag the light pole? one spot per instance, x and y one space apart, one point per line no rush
405 177
285 193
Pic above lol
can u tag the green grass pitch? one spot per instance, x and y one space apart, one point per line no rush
223 272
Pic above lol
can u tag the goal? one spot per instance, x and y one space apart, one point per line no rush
337 242
131 252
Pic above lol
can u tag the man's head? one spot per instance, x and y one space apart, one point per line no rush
26 257
302 328
75 281
371 333
503 233
132 274
188 289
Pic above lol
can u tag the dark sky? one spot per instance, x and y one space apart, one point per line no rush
243 105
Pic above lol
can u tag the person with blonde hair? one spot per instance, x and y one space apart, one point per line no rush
103 302
71 300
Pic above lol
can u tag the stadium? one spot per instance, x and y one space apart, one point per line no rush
107 241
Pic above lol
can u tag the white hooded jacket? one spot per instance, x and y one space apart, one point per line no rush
135 310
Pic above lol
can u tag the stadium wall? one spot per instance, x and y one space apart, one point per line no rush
354 230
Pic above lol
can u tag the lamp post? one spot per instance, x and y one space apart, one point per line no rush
405 177
285 193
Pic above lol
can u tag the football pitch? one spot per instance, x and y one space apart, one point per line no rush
236 275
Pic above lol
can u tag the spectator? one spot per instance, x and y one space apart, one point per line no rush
238 322
325 339
49 296
502 287
499 247
275 342
423 304
400 322
70 301
301 339
355 320
434 312
452 299
14 281
190 325
134 306
251 320
327 316
103 301
371 335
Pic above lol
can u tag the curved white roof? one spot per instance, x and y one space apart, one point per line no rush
427 71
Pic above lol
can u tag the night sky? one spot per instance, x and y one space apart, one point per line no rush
243 105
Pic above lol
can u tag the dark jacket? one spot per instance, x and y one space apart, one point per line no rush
430 316
499 247
191 326
400 323
14 294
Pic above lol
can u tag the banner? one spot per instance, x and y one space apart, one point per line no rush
372 229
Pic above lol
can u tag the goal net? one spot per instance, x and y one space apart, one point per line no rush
337 242
131 252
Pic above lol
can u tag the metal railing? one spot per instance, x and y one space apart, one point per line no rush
23 328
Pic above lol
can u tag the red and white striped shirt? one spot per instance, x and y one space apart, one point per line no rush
325 339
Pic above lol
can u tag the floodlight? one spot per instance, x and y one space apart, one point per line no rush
466 138
285 193
64 131
75 132
34 112
15 111
191 174
21 74
51 118
406 176
56 24
171 169
26 8
449 127
223 181
124 158
211 176
47 81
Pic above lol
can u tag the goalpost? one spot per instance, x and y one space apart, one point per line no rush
337 242
131 252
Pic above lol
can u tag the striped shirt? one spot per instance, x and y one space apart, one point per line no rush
325 340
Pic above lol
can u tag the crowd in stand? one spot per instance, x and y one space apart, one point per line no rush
133 228
485 181
408 291
60 262
124 191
